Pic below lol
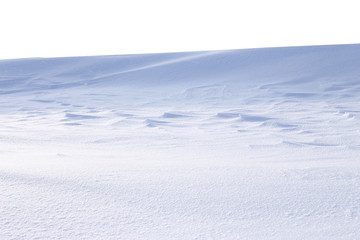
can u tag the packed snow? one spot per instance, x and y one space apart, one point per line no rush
238 144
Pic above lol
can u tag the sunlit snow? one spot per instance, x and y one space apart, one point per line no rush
241 144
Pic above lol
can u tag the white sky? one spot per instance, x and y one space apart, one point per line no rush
55 28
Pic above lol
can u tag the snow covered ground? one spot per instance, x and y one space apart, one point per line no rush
241 144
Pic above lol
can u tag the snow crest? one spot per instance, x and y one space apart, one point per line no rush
240 144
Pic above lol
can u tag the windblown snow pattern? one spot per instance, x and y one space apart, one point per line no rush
238 144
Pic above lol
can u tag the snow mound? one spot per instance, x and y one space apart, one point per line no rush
240 144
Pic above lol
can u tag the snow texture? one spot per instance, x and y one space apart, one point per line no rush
240 144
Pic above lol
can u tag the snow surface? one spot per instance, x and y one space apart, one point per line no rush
242 144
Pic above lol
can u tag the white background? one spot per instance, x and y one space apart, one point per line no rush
43 28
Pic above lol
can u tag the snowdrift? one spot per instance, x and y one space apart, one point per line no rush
239 144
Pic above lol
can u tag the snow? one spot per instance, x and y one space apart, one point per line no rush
239 144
